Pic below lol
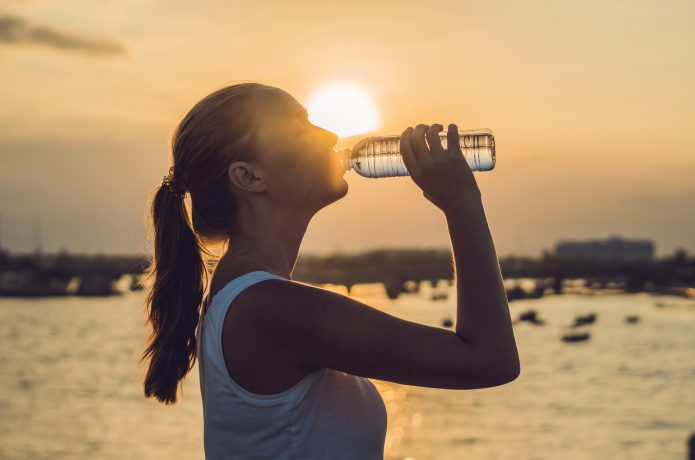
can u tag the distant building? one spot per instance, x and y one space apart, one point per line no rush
613 249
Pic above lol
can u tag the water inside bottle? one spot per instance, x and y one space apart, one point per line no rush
380 156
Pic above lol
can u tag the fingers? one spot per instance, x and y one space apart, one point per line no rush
415 151
453 141
407 152
417 139
434 140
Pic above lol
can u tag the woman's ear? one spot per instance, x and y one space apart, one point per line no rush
246 177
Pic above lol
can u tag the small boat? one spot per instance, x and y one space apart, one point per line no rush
531 316
135 284
439 296
576 336
586 319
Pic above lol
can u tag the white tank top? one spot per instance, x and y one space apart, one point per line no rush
329 414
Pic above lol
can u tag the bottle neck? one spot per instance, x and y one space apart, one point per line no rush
345 155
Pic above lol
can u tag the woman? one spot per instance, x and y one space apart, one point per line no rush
285 366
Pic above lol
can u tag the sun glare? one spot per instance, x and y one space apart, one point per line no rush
343 108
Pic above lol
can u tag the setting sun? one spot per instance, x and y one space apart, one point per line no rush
343 108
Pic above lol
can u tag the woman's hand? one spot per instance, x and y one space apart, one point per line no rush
443 175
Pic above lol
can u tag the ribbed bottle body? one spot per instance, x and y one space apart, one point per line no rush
380 156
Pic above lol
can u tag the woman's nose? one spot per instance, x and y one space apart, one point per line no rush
334 138
331 137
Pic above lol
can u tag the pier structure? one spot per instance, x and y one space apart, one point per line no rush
400 271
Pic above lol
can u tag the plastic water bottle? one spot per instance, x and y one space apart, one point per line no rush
380 156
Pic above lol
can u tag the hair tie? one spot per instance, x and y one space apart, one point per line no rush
169 181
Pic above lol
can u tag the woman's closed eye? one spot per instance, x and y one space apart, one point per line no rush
302 126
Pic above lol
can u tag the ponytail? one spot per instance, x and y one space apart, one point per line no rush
218 130
173 303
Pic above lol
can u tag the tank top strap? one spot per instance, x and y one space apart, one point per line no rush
220 302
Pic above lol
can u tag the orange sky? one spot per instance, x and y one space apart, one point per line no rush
592 105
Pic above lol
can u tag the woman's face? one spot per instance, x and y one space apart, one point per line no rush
297 157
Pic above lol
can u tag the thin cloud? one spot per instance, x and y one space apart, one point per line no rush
17 31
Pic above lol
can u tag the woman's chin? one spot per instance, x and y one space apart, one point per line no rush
341 187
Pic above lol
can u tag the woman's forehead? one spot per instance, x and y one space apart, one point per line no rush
275 104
